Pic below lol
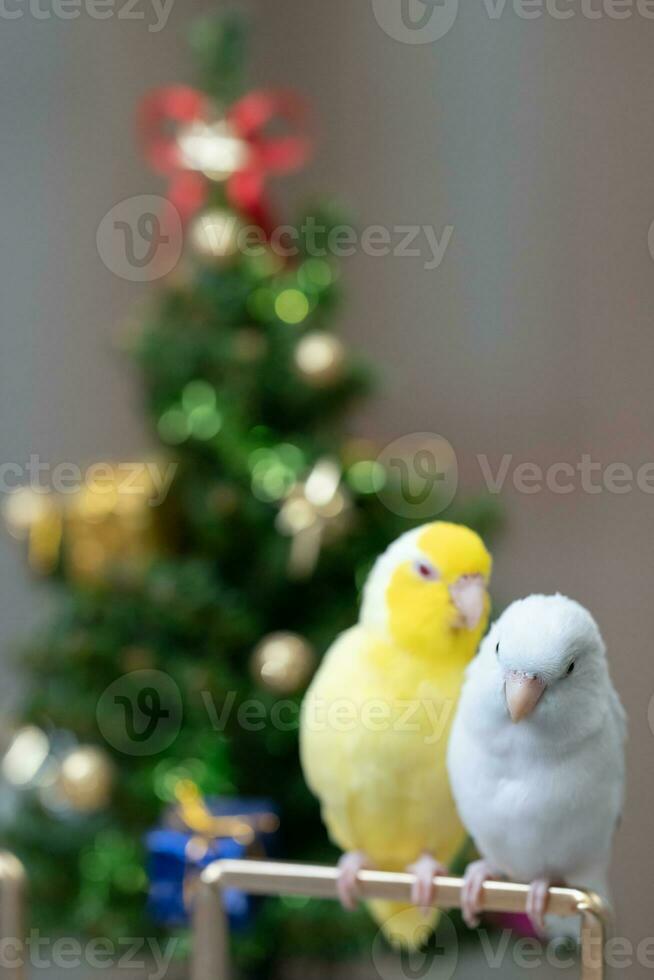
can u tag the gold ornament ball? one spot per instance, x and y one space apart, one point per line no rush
85 779
283 662
214 235
320 358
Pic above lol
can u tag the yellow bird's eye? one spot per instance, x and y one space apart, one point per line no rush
425 570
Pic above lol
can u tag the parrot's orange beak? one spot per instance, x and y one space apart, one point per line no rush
469 596
522 694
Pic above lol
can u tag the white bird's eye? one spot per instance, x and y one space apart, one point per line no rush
497 648
425 570
570 668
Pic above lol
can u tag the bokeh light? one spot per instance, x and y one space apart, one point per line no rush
174 427
367 476
205 422
315 272
198 394
292 306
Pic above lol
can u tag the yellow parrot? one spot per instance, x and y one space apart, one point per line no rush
376 718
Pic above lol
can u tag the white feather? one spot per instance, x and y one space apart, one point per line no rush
374 608
542 798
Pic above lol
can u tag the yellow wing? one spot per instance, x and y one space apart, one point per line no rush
373 746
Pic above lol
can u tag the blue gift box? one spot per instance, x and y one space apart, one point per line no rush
191 838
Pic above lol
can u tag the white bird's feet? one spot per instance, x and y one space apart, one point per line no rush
537 904
347 885
471 893
423 890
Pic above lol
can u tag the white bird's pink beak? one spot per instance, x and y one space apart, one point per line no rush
469 596
522 694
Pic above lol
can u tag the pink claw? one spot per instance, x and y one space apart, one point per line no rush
347 885
423 890
537 904
471 893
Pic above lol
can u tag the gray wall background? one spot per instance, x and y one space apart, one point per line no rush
533 138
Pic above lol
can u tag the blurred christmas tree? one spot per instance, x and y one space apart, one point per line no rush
189 626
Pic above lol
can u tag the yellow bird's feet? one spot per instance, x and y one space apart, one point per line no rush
471 893
347 885
423 890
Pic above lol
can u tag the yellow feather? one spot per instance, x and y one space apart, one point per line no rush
376 720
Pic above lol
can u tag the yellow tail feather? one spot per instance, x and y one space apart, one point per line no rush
404 926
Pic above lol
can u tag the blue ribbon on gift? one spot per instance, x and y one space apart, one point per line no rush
177 857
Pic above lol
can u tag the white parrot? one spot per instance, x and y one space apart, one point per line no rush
536 756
